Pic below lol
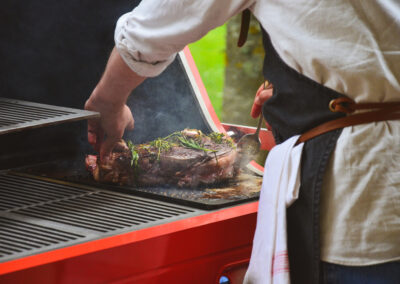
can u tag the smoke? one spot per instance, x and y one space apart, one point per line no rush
163 105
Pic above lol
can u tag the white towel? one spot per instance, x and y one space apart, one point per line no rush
269 258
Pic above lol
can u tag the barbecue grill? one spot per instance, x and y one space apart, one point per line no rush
57 224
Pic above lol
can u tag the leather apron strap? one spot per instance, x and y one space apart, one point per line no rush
244 28
382 112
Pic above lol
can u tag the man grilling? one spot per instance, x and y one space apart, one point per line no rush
335 68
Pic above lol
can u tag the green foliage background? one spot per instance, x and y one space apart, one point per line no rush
209 55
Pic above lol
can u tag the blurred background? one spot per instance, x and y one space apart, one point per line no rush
230 74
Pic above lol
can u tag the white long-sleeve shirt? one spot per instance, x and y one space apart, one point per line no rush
351 46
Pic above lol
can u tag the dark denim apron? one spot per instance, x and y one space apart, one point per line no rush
299 104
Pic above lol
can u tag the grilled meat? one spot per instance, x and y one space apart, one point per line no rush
186 158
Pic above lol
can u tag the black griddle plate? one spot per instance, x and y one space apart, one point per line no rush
246 187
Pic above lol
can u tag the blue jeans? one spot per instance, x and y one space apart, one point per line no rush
386 273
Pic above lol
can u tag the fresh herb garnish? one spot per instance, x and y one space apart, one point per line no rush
191 143
220 138
135 154
217 137
178 138
162 145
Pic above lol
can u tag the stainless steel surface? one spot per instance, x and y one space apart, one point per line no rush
17 115
39 214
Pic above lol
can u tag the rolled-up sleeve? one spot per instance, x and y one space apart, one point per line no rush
149 37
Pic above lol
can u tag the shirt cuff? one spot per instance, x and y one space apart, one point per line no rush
132 56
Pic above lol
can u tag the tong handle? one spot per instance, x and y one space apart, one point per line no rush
260 120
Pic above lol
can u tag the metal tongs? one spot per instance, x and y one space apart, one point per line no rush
249 145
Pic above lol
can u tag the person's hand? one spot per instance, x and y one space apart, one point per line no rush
109 98
105 132
263 93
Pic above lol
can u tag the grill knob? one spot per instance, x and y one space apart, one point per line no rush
224 280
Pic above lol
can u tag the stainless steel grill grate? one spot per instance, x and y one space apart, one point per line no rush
38 214
15 193
103 212
16 115
17 237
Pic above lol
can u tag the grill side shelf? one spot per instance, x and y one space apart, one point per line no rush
17 115
40 214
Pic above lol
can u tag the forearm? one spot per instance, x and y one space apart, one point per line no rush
116 84
149 37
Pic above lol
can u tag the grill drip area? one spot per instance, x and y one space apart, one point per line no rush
38 215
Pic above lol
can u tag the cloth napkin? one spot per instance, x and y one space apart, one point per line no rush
280 188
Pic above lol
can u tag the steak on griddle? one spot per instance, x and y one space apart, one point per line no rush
185 158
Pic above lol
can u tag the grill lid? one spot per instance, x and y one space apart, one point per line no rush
17 115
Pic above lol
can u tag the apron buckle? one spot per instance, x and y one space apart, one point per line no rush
342 104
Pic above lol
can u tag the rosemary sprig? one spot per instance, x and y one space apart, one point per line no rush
176 133
135 154
191 143
162 145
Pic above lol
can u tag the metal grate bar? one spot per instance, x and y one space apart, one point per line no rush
27 239
39 234
72 219
7 204
39 186
42 110
134 206
103 212
17 115
112 211
39 214
25 191
18 236
16 244
24 114
6 250
96 210
76 214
